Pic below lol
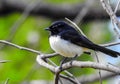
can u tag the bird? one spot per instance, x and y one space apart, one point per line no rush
68 42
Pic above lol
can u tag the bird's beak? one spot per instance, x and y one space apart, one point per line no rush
48 29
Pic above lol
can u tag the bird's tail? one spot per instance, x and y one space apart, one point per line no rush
106 51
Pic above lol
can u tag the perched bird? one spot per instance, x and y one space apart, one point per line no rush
68 42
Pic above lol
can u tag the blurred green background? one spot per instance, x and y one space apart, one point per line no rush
22 66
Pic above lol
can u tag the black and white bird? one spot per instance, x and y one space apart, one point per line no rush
68 42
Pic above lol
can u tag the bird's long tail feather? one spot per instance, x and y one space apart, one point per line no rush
106 51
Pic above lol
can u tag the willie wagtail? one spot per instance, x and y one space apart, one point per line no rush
66 41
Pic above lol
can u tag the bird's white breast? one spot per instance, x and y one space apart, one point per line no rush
63 47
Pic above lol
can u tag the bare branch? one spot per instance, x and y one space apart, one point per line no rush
6 82
78 64
4 61
53 68
19 47
21 19
99 69
117 6
76 27
110 44
109 10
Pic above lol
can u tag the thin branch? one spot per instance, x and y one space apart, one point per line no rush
19 47
76 27
21 19
99 69
49 55
69 79
117 6
115 29
6 82
4 61
109 10
110 44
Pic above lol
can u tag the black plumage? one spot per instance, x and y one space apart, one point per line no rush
67 32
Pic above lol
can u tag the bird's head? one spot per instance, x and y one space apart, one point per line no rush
58 27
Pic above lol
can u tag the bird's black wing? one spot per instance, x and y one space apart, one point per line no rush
80 40
76 38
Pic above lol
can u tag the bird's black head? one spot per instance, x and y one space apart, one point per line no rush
58 27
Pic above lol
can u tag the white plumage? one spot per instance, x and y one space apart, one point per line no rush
64 48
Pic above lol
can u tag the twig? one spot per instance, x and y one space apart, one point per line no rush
76 27
110 44
6 82
115 29
99 69
109 10
117 6
19 47
49 55
69 79
19 22
4 61
21 19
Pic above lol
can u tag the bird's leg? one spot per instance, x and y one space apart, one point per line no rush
62 62
73 59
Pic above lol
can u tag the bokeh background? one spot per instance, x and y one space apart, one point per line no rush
22 22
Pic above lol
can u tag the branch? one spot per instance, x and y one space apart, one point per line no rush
78 64
19 47
19 22
110 12
6 82
53 67
4 61
110 44
55 11
44 56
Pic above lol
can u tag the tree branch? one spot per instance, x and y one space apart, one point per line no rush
78 64
110 12
6 82
53 67
19 47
